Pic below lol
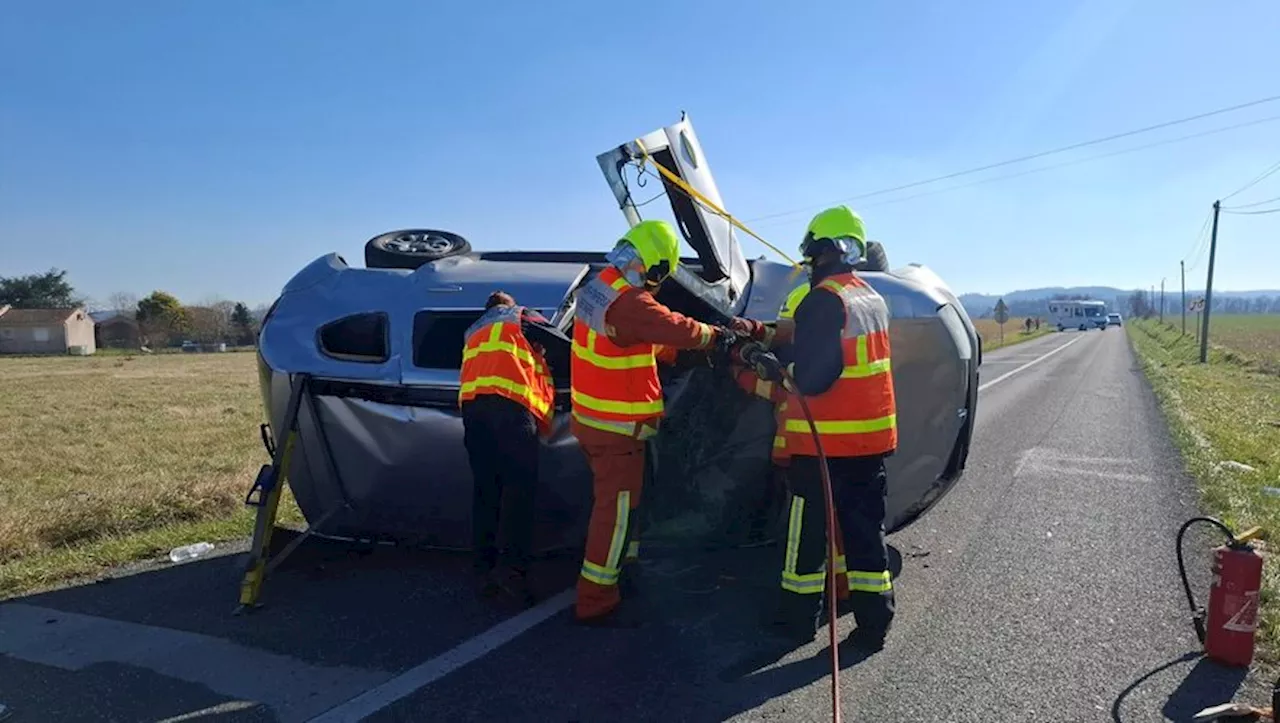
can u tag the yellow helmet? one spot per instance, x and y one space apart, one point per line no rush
838 225
792 302
658 246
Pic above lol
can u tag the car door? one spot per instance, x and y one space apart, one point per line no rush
721 275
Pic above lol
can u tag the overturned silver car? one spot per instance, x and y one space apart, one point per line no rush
379 451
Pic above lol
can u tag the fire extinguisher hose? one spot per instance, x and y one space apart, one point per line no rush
831 546
1197 613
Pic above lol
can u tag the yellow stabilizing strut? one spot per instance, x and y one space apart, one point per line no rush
263 527
695 195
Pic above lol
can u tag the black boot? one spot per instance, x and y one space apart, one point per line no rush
794 619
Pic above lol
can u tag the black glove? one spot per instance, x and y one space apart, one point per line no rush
726 339
754 354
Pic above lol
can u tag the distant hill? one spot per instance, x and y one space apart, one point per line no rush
1031 302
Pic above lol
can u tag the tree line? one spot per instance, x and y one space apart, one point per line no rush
162 320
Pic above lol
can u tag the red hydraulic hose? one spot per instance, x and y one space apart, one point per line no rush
831 547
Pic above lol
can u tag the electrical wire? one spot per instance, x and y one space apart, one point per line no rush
1033 156
1253 213
1199 239
1270 170
1100 156
1201 246
1251 205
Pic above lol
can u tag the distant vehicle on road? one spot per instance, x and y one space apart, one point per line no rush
1113 319
1082 314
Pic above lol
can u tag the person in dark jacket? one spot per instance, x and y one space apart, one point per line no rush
507 399
841 364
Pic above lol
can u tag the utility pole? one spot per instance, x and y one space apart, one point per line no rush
1208 285
1161 301
1183 266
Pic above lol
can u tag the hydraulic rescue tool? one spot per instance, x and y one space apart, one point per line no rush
1228 628
754 355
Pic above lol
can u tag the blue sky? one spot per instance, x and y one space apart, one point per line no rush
212 149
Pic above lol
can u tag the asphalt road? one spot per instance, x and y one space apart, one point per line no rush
1043 587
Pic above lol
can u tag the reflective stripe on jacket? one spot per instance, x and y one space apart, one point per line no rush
497 359
614 387
857 415
781 453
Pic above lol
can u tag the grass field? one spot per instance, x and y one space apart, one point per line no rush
112 459
1013 333
1226 410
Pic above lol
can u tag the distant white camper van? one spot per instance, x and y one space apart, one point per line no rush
1079 314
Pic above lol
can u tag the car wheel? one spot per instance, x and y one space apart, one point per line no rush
411 248
876 258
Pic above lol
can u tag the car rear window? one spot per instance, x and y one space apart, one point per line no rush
438 337
359 338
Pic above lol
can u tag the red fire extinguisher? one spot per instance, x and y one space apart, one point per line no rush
1228 629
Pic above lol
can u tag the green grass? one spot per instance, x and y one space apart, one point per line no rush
115 459
1227 409
1013 333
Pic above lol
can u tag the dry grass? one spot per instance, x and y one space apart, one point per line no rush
1228 409
989 330
111 459
1253 338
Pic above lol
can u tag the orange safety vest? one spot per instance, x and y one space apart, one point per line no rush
497 359
781 454
857 416
614 388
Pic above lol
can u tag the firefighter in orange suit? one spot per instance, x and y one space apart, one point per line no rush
507 400
841 364
620 333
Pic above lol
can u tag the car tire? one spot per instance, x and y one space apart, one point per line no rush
412 247
876 258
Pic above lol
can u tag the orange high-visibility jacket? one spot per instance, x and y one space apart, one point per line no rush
498 359
616 388
857 415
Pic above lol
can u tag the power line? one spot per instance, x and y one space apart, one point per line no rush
1270 170
1253 213
1251 205
1145 146
1202 245
1200 237
1030 157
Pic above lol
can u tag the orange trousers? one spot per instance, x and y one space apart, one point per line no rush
617 472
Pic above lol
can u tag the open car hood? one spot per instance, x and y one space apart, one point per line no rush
724 274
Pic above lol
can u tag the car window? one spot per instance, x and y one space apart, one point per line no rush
438 337
358 338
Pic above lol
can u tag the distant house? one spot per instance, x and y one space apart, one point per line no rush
117 332
46 331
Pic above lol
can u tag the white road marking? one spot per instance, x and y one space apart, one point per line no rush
1029 364
412 680
293 689
1044 461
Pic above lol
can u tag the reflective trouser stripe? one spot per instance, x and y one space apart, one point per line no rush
633 550
607 574
626 429
791 580
860 581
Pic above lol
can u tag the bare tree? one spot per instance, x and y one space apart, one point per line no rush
209 325
124 303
